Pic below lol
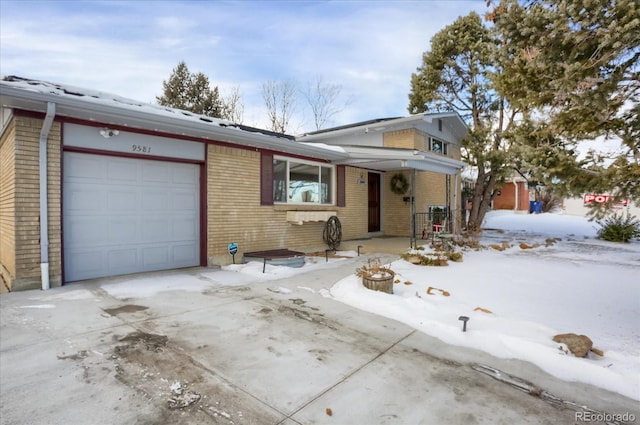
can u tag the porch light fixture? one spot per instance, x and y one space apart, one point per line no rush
108 133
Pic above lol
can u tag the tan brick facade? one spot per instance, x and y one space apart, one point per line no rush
20 255
412 138
430 187
7 206
409 138
234 213
354 217
233 209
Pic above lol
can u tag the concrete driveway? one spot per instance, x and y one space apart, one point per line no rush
253 354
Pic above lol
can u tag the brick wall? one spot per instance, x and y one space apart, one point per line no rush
54 194
430 189
234 213
395 212
409 138
507 198
7 206
354 218
26 203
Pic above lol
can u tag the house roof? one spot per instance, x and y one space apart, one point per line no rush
109 109
452 120
90 105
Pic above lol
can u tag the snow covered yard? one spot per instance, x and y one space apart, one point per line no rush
576 285
517 299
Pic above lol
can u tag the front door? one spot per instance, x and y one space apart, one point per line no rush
374 202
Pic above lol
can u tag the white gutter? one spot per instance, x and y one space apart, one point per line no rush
44 212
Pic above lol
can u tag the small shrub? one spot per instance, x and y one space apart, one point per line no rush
619 228
551 241
550 202
455 256
425 260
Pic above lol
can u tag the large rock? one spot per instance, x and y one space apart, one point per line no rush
579 345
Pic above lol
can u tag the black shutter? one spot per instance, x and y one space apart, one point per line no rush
266 178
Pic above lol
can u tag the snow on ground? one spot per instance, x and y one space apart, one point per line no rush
231 275
578 284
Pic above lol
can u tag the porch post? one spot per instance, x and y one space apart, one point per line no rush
454 216
412 209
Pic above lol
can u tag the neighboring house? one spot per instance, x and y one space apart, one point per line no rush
134 187
513 195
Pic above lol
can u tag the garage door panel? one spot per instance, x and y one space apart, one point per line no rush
182 253
86 168
84 199
85 232
157 173
186 228
122 200
85 261
132 216
122 260
156 230
185 175
122 170
155 255
155 201
122 230
181 201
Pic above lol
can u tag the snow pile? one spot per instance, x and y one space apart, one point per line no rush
542 224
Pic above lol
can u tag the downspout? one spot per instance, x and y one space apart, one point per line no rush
44 212
516 206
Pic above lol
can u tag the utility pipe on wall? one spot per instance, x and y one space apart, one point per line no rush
516 205
44 211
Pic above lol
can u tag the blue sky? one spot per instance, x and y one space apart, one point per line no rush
369 48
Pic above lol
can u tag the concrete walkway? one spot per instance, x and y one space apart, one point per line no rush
251 354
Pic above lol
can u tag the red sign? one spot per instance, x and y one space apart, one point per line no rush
602 199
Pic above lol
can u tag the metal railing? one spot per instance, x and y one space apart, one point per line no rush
426 224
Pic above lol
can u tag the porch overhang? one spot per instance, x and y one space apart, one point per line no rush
387 159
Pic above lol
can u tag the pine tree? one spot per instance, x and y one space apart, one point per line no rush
456 75
191 92
573 67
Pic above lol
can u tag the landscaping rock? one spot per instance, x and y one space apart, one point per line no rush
579 345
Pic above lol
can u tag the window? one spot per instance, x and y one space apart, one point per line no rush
438 146
302 182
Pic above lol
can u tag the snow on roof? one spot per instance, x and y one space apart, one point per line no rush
99 97
91 105
65 90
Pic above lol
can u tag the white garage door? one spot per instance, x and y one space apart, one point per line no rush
123 215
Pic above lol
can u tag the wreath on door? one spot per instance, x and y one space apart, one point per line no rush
399 184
